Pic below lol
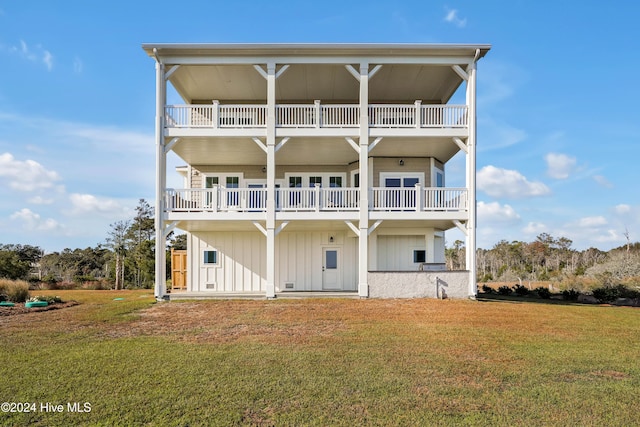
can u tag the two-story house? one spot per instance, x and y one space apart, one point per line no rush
316 168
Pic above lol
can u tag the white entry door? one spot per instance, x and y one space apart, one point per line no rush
331 269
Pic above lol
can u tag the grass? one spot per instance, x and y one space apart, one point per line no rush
322 362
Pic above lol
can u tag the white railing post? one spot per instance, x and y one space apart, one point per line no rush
418 120
216 114
316 196
318 113
418 197
214 197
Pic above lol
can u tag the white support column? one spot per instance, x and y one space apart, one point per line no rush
363 238
430 243
271 181
471 181
161 178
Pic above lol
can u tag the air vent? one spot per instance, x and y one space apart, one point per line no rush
289 285
211 285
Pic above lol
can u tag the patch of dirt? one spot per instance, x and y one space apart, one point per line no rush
229 321
21 309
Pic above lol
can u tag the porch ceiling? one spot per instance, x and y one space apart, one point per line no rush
307 151
305 82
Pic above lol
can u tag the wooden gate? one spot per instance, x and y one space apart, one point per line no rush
178 269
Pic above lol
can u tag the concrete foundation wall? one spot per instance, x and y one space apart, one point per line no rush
418 284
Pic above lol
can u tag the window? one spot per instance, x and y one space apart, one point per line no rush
233 182
356 180
211 257
313 180
295 182
210 181
335 181
419 256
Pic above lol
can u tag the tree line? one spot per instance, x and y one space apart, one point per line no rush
547 259
126 259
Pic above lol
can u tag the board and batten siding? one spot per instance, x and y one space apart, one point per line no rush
395 253
300 259
241 265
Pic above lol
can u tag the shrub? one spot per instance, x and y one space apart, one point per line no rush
570 295
607 294
505 290
487 289
543 292
14 290
521 290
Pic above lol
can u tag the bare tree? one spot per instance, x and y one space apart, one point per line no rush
117 242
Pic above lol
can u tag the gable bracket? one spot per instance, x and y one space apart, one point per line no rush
169 229
356 74
260 143
171 71
373 227
169 145
260 227
461 227
374 143
264 74
353 144
353 228
461 144
281 143
462 73
281 227
282 70
374 71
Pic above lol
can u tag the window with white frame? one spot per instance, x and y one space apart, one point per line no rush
211 257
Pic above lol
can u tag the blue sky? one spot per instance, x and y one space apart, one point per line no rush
558 112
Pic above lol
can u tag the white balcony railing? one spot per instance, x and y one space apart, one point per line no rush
216 199
317 199
418 199
220 199
316 115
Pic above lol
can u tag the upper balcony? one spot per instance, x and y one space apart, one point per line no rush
316 117
315 202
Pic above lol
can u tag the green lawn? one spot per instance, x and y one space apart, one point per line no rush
321 362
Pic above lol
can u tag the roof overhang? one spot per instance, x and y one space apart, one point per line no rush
226 72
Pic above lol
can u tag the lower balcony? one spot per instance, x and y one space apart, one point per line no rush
316 115
317 199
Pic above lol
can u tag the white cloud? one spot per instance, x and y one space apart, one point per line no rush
39 200
453 18
494 212
33 222
592 221
497 182
602 181
622 209
535 228
27 175
47 58
83 204
560 166
36 54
